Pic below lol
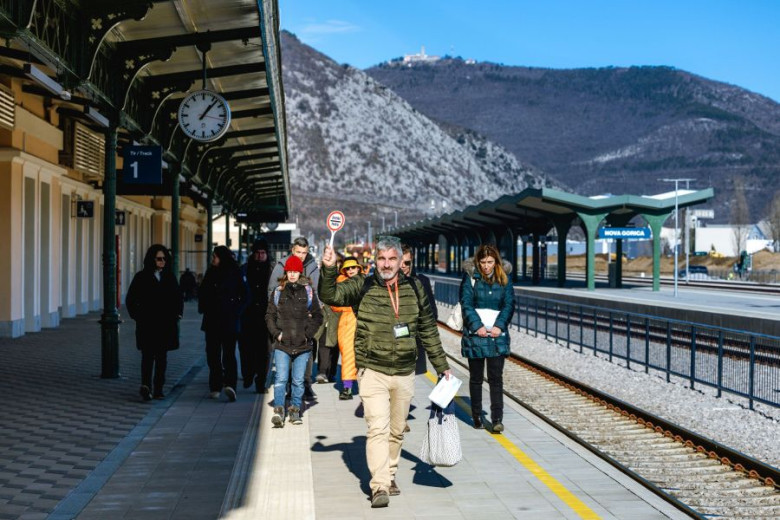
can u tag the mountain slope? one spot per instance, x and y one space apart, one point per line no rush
355 145
608 130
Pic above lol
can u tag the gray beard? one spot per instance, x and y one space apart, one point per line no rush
387 276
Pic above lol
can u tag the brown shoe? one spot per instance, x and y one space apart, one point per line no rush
394 489
380 499
477 422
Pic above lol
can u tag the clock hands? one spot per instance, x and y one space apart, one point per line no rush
207 110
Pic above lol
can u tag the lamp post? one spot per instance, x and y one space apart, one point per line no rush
396 219
368 239
383 223
676 229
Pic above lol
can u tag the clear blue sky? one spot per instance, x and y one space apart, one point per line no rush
735 41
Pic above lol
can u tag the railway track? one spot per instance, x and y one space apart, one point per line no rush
699 476
718 285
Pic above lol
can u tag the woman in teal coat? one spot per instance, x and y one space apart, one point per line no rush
487 301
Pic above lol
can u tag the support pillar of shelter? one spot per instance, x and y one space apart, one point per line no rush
562 227
209 232
525 258
109 320
448 256
591 224
227 229
656 223
175 212
239 256
535 260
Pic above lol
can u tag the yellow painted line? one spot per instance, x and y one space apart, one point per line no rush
568 498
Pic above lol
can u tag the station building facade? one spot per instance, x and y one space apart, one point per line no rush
50 267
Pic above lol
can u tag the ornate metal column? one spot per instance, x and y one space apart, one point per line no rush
109 320
175 216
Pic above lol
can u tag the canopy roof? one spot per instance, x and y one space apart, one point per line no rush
132 61
535 209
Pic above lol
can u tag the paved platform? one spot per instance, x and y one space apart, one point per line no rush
77 446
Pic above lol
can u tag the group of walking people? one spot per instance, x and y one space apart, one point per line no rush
383 324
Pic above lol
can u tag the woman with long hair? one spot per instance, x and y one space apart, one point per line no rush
293 318
221 299
155 303
487 301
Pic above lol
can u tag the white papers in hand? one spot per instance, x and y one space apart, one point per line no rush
445 391
488 317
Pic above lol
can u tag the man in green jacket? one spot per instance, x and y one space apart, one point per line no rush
391 314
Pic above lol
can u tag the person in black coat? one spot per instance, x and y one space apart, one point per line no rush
253 344
155 303
221 299
407 266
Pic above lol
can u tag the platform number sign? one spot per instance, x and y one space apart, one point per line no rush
335 221
142 165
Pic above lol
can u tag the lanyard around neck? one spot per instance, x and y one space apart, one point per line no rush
394 302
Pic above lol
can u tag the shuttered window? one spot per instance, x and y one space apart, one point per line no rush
89 151
7 108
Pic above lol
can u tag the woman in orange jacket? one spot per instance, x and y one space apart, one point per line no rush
346 332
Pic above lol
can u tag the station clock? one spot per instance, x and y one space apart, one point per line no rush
204 115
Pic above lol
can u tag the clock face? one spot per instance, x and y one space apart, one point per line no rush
204 115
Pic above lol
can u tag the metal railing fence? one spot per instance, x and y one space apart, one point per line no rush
733 361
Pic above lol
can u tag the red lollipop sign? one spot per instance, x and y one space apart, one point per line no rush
335 221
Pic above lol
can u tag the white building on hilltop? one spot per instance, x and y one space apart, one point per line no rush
420 58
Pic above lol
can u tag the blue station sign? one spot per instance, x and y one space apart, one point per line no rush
617 232
142 165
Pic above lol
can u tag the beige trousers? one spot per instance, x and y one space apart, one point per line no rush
386 401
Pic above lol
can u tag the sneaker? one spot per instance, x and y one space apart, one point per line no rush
394 489
345 394
308 394
159 395
230 393
321 379
248 381
146 394
278 418
295 415
498 427
380 499
214 394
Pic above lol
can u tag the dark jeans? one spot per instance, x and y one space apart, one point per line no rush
253 348
154 359
328 358
221 358
495 374
309 365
